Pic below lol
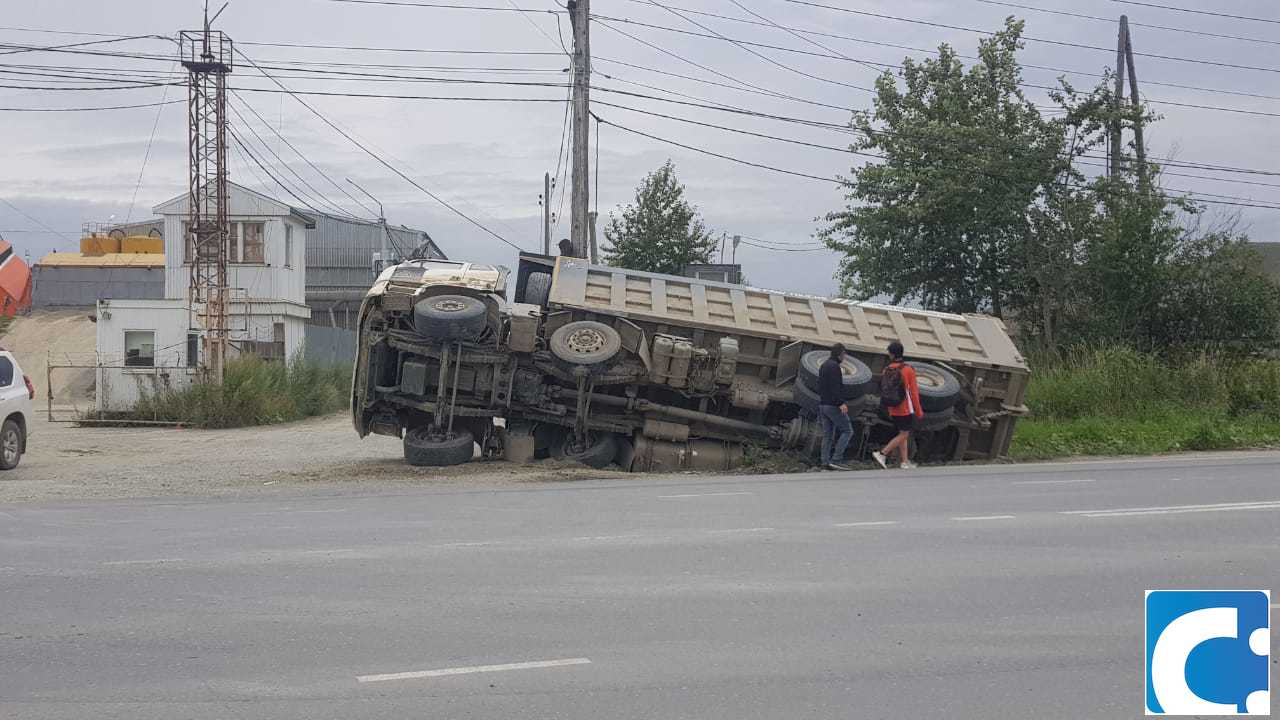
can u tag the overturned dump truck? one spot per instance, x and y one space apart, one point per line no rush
653 372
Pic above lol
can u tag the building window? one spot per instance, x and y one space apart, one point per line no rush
288 245
233 243
251 236
193 349
139 348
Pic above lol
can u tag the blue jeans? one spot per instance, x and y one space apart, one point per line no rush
836 431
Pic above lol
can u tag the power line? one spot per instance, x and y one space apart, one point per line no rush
378 158
712 153
146 156
1197 12
19 210
762 56
803 37
1063 43
841 56
315 193
303 157
1084 16
91 109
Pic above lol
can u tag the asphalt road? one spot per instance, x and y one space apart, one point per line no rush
987 592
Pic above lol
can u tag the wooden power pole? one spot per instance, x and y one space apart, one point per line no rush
579 14
546 213
1125 64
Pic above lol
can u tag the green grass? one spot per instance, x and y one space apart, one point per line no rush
253 392
1122 402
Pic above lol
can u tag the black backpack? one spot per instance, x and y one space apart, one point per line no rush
892 391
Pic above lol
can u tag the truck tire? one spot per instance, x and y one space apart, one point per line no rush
11 445
858 380
936 420
599 454
423 450
809 400
939 389
585 343
450 317
537 289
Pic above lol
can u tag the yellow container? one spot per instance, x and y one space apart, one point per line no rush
142 244
99 245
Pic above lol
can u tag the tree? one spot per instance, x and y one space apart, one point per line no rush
964 155
661 232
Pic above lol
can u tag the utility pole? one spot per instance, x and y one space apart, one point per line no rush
1117 102
384 250
208 55
546 213
579 14
1136 100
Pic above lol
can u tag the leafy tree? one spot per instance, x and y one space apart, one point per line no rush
965 153
661 232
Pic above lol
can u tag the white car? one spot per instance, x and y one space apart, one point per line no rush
16 394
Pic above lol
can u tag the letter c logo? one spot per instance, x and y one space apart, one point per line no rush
1169 660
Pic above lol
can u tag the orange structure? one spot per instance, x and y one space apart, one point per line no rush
15 282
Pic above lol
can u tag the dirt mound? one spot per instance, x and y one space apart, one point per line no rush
70 337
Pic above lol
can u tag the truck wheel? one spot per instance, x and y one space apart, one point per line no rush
858 379
11 445
936 420
939 389
424 450
537 288
806 398
598 454
585 343
450 317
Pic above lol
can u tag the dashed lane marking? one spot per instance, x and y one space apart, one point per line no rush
702 495
1054 482
870 523
977 518
444 672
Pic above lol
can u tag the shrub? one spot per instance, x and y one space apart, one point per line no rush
253 392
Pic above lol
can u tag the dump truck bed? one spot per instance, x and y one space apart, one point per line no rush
974 340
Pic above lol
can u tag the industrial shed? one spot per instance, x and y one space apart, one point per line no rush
344 257
79 280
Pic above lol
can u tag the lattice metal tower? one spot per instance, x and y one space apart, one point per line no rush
208 56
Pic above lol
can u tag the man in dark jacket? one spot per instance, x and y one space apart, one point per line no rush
832 410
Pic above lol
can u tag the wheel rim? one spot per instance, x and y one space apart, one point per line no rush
585 341
10 445
930 378
449 305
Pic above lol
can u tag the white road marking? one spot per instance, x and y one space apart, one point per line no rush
463 544
698 495
872 523
1053 482
473 669
1177 509
984 517
605 537
143 562
321 552
742 530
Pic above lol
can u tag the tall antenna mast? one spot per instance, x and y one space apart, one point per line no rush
207 55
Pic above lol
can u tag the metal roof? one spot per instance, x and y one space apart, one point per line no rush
106 260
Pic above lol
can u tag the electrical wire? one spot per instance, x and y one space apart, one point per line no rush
19 210
1197 12
762 56
305 159
1111 21
146 156
379 159
1063 43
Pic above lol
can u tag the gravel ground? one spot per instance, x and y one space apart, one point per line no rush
64 462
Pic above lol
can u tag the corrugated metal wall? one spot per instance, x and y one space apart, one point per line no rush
85 286
329 346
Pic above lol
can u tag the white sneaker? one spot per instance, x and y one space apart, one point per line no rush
880 459
908 466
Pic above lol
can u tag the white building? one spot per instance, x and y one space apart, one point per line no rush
148 345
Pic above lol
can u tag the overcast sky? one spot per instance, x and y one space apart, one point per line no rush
488 158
